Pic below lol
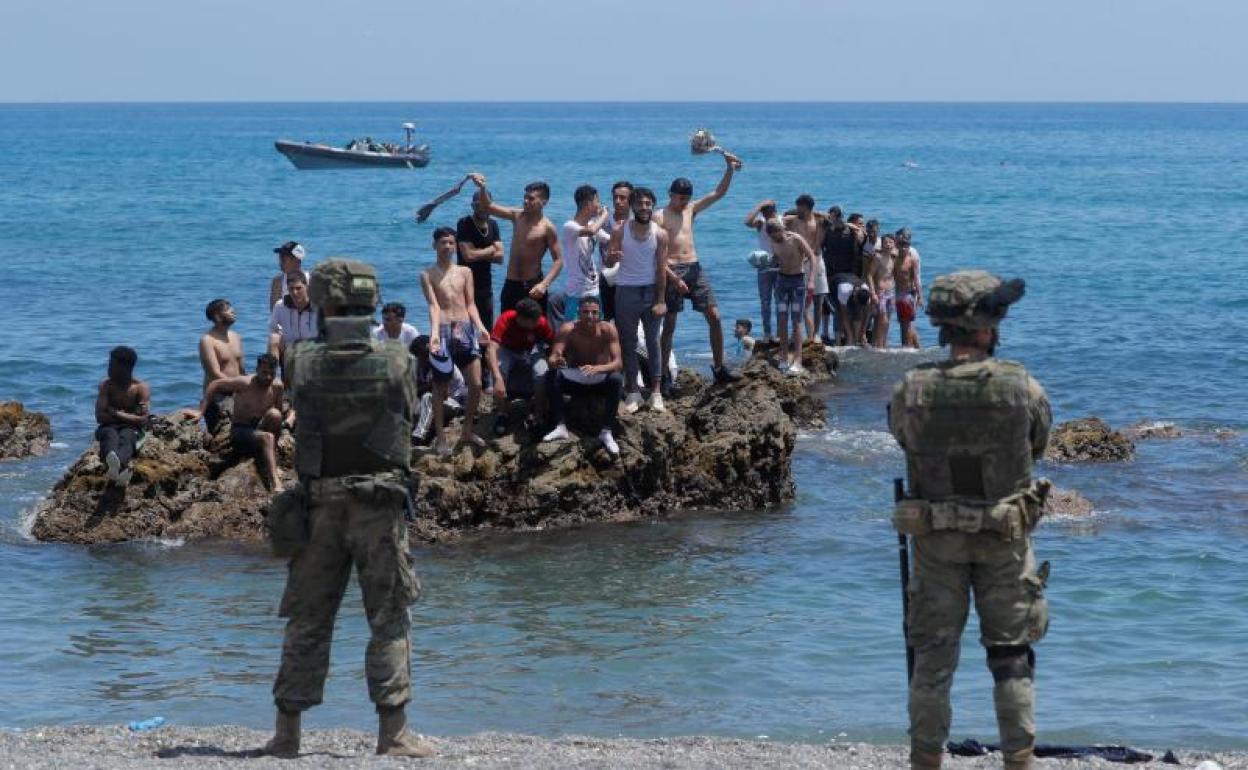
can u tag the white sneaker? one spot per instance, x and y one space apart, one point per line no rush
114 466
795 369
560 433
608 441
632 402
656 402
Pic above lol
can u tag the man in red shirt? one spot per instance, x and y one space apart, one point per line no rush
513 358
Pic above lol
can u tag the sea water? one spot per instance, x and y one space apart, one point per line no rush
118 223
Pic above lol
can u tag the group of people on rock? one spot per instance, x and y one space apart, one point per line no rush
820 269
596 323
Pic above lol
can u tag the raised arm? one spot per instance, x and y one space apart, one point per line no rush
487 200
600 219
721 189
751 219
615 247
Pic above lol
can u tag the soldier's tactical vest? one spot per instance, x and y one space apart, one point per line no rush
967 430
353 404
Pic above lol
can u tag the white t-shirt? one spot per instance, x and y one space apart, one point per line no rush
579 268
407 333
295 324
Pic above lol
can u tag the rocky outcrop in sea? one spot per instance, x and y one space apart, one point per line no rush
718 446
23 433
1088 440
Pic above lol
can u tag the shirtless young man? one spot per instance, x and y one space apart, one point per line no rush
532 236
907 274
121 406
257 420
455 331
220 355
883 287
797 279
585 362
807 224
685 275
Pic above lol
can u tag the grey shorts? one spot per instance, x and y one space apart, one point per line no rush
700 293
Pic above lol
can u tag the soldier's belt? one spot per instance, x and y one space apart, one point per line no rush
1011 518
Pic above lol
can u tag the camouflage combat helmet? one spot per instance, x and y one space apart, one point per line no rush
971 299
343 283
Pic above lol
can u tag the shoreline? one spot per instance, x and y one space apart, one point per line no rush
227 746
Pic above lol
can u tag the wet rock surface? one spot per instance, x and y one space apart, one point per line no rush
23 433
718 446
1067 503
1088 440
186 484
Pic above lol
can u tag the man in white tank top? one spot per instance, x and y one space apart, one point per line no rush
640 249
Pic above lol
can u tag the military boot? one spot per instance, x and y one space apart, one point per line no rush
1019 760
924 760
285 742
393 740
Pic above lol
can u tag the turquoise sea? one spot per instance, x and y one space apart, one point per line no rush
118 223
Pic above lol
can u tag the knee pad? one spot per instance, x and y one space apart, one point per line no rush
1015 661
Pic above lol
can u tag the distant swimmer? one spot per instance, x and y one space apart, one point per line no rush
257 420
533 234
686 277
121 411
220 355
585 362
910 164
290 257
456 331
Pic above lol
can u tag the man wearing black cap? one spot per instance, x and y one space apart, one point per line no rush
685 276
289 257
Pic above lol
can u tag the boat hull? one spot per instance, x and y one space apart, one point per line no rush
319 156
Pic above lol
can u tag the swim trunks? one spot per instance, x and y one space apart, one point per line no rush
905 307
243 436
459 341
514 291
700 293
888 301
791 295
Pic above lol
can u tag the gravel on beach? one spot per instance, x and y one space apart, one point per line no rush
171 748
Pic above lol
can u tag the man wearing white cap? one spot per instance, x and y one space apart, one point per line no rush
289 257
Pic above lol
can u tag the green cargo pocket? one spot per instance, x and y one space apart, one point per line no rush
286 521
912 517
1038 606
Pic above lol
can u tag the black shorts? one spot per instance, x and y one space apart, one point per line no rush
243 437
514 291
700 293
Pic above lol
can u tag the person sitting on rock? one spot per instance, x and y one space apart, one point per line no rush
585 362
431 369
121 410
257 420
514 359
221 356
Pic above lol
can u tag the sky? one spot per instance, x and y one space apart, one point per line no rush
639 50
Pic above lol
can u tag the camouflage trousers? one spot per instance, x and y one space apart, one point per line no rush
1009 599
353 520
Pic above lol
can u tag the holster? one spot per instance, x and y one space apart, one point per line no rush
1012 518
287 522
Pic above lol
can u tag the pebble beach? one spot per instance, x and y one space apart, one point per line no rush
204 748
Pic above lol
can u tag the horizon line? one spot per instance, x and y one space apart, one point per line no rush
1087 102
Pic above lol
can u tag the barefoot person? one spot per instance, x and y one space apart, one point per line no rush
532 236
797 278
640 250
455 326
907 272
220 355
883 288
257 420
121 406
686 277
585 362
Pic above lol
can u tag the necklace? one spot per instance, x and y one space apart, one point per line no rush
484 232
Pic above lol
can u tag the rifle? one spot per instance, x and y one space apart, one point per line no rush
903 555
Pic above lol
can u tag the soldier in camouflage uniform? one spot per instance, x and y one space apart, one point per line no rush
972 427
354 398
